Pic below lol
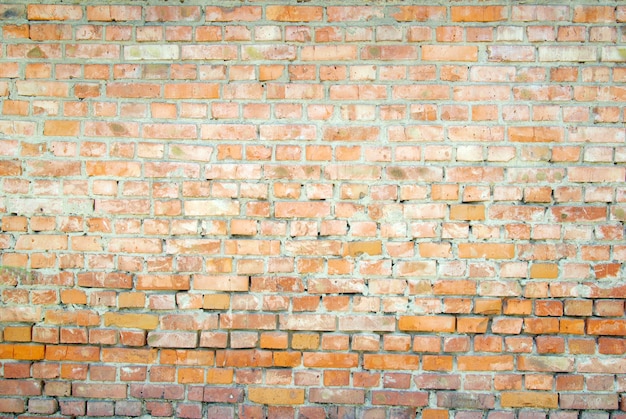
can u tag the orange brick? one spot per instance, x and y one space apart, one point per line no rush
435 414
17 333
437 362
113 13
614 327
330 360
529 399
485 363
216 302
427 323
478 13
305 341
486 250
467 212
544 271
355 249
419 13
449 53
472 324
594 14
390 362
42 242
536 134
294 13
162 282
131 320
54 12
276 396
61 128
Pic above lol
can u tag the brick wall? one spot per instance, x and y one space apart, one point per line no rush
320 209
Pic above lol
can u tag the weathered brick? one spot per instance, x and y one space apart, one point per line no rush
566 53
580 401
54 12
72 353
366 323
336 396
128 355
419 13
465 400
20 388
399 398
546 363
615 327
100 391
163 282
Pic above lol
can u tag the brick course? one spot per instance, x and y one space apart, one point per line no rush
330 209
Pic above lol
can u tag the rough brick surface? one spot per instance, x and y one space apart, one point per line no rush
313 209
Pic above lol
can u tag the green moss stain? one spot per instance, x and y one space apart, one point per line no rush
254 53
177 152
36 53
374 52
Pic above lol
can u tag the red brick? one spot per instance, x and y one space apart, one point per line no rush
223 395
99 391
399 398
157 391
42 406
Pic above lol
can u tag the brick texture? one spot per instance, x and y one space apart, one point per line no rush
318 209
